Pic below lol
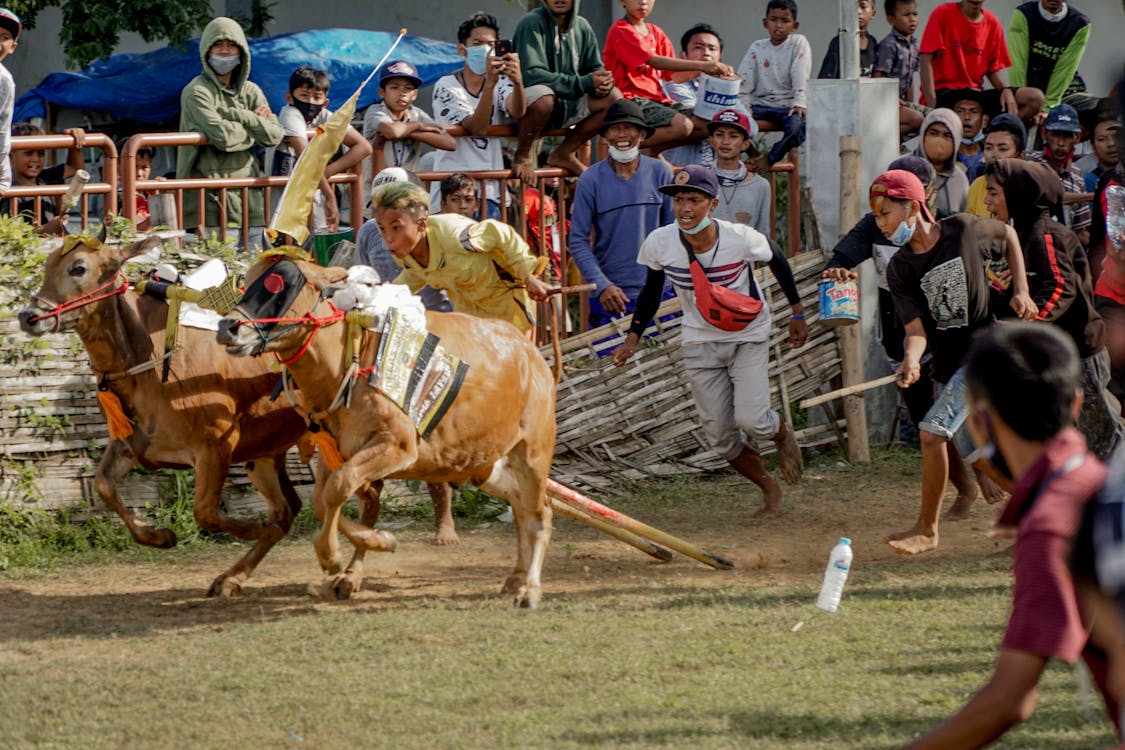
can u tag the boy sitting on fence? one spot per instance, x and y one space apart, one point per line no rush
775 78
27 169
306 108
897 57
636 52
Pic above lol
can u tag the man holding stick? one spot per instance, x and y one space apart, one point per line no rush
726 359
939 283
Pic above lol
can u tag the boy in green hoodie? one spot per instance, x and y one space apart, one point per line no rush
222 104
564 82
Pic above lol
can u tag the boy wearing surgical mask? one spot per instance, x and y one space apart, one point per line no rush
232 112
306 109
486 91
939 283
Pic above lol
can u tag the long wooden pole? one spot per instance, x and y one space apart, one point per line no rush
851 347
848 390
576 499
644 545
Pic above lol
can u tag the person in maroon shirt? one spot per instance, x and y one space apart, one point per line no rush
1051 477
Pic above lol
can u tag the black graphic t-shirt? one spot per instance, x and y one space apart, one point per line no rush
947 287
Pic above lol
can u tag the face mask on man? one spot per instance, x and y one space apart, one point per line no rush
903 234
223 64
706 222
624 155
308 110
477 58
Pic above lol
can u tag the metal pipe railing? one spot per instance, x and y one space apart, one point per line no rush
107 187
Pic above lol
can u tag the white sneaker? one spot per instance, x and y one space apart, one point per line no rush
506 516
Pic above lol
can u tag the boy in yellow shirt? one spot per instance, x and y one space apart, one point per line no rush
484 267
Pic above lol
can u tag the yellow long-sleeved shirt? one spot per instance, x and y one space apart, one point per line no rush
482 267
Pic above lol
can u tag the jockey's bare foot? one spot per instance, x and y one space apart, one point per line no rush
569 162
524 169
913 542
992 492
446 535
789 457
771 499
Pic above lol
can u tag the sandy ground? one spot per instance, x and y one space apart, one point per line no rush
863 504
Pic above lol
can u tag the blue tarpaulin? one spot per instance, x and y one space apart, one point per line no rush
147 86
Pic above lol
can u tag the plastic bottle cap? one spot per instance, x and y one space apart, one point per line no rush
845 540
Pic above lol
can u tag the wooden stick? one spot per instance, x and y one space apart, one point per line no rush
849 390
572 289
576 499
644 545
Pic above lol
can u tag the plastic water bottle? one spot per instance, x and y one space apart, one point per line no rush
839 562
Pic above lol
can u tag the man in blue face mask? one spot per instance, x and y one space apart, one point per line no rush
486 91
939 283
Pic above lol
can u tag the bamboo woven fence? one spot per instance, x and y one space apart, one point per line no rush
614 424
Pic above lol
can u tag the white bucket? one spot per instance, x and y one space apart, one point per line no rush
715 95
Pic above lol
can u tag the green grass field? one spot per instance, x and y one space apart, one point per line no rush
624 653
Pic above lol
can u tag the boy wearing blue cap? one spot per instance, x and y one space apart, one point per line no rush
10 28
1060 135
726 326
395 127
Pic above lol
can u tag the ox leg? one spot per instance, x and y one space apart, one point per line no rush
272 481
369 464
351 579
116 462
522 480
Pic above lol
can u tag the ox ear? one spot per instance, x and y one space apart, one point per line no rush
138 247
325 278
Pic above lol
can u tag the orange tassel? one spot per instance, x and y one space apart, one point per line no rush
120 426
329 450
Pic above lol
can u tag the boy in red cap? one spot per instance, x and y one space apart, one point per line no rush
726 360
938 281
744 196
10 28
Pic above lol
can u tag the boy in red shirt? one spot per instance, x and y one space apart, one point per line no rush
962 45
1052 477
635 53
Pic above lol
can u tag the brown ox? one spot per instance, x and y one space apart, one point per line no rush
499 432
214 410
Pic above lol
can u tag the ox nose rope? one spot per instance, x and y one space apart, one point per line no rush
57 309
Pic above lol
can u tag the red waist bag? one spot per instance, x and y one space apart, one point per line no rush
723 308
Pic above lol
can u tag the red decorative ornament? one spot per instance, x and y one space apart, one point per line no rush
274 283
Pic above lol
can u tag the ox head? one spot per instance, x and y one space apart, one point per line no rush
284 295
77 276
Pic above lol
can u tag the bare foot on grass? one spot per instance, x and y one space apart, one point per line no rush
771 500
570 163
446 536
962 506
991 491
913 542
789 457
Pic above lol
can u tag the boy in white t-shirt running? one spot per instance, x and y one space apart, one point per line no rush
307 108
728 369
488 90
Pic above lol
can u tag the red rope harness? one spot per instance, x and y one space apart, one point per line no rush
317 324
56 310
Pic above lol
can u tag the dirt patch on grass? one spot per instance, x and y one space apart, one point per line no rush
833 500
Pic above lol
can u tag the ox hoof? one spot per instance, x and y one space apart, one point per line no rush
513 584
163 539
225 587
528 598
333 568
343 587
386 542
